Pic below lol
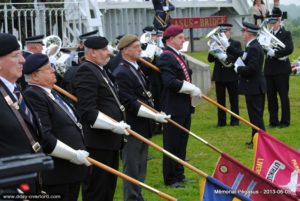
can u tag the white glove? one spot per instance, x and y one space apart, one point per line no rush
196 92
147 113
106 123
238 63
64 151
189 88
222 56
80 158
166 8
271 52
120 128
224 40
162 117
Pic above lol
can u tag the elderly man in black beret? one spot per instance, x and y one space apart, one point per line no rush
277 72
134 87
18 125
177 92
252 82
61 134
97 102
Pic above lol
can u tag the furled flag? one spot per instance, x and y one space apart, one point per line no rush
213 190
247 182
277 162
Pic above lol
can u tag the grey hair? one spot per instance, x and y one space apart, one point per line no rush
27 77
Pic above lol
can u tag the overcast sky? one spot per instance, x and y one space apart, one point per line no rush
286 2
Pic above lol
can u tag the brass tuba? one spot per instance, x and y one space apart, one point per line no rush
145 38
52 44
216 46
59 59
268 40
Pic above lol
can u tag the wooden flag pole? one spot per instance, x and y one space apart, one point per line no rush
229 111
65 93
130 179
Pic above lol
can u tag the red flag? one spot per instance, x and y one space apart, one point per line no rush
277 162
246 181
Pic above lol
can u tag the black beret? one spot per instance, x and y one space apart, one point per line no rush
150 29
34 62
96 42
88 34
250 27
8 44
35 39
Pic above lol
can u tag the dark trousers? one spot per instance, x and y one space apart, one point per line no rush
278 84
134 157
255 107
175 141
100 184
232 88
69 192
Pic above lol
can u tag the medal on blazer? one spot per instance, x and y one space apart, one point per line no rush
10 102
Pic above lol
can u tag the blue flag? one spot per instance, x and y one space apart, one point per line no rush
212 189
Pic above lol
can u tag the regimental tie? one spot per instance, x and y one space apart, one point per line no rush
22 105
63 105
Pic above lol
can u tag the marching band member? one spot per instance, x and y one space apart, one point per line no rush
252 82
154 77
33 44
277 70
134 86
97 97
61 134
176 101
226 78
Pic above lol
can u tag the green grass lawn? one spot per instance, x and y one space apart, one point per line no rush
229 139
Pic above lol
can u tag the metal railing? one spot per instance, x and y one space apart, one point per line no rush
68 20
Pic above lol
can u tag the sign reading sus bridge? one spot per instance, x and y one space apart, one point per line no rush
198 22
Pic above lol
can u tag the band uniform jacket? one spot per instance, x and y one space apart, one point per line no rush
94 95
56 125
251 78
13 140
173 102
221 73
274 66
130 91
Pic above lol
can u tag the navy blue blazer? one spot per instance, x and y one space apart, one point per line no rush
130 91
273 66
251 77
173 102
56 125
93 96
13 140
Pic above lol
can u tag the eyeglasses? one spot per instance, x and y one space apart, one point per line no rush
49 66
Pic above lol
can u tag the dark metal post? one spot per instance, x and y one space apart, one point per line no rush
192 39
